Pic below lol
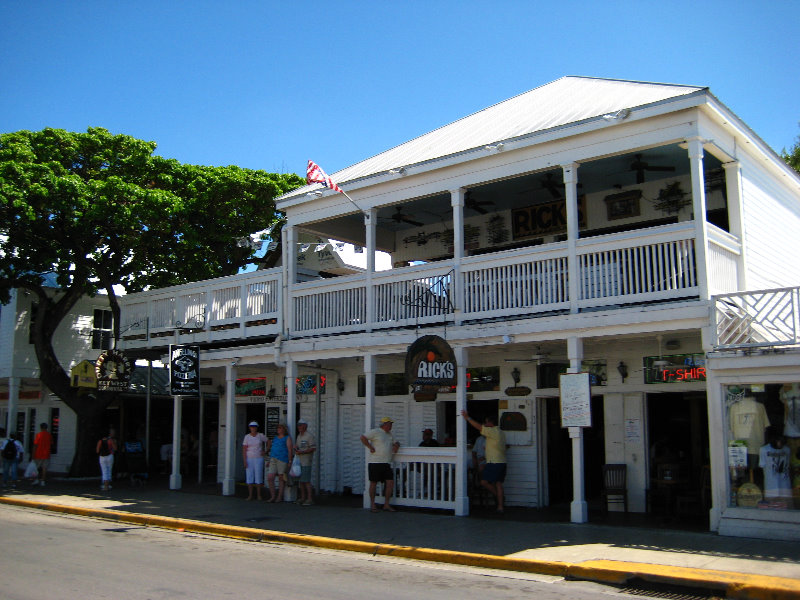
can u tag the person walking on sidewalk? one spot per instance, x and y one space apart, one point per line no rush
381 445
253 451
42 446
106 447
304 447
494 473
12 452
280 457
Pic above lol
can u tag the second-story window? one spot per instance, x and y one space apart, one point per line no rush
102 326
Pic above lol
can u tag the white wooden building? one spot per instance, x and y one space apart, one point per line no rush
585 225
25 401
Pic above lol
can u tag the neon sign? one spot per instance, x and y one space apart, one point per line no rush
675 369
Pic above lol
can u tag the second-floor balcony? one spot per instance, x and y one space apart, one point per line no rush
657 264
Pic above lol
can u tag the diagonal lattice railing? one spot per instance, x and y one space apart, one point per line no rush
760 318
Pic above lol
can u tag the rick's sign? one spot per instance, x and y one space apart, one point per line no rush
430 365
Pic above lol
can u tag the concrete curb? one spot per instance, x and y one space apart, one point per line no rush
734 585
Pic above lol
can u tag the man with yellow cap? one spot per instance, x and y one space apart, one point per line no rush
381 445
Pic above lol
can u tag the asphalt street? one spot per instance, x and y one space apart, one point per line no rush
72 557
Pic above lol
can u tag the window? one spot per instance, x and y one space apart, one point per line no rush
763 422
102 326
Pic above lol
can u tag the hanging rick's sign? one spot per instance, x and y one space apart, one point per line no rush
430 365
184 370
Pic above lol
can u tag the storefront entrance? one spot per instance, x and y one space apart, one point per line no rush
559 454
679 472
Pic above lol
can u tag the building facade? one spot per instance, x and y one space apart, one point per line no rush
588 225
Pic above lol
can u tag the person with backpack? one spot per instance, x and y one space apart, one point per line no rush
11 452
106 447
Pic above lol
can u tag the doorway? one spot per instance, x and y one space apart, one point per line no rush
559 454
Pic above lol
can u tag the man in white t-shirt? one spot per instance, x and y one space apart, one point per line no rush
381 445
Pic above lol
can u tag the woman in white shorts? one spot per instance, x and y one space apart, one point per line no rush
253 451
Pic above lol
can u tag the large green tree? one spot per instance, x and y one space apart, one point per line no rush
100 210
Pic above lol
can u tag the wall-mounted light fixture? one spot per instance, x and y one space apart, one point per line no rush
340 385
515 375
622 368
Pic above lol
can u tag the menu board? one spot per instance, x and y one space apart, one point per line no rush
576 400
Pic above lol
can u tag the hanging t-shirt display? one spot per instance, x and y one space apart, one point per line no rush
748 420
775 463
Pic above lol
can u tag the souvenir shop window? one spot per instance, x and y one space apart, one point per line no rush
763 423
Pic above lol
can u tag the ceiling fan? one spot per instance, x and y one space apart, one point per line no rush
552 185
535 357
477 205
640 167
399 217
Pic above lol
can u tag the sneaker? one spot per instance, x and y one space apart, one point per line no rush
35 482
308 503
41 483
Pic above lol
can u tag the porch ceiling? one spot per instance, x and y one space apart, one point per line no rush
606 174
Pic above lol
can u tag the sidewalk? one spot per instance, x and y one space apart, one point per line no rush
601 552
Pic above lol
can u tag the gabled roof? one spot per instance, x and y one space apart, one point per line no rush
562 102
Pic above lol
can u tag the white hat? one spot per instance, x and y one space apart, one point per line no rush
253 424
302 422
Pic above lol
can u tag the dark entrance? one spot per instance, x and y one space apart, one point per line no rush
678 454
559 454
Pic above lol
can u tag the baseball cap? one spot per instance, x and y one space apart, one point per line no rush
386 420
253 424
302 422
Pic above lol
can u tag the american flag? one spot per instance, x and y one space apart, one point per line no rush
314 174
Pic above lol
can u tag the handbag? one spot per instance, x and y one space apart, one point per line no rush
295 470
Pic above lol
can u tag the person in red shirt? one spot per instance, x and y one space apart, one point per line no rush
42 444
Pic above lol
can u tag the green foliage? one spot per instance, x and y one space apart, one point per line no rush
792 157
100 210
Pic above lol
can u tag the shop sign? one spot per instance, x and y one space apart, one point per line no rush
576 400
547 218
677 368
430 365
113 371
251 386
83 375
184 370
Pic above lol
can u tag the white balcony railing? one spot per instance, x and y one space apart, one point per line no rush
757 319
244 305
646 265
424 477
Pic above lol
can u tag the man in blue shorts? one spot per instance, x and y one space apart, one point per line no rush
494 473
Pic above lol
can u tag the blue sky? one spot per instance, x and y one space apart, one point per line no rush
269 84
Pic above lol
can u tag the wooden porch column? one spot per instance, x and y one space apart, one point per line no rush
462 498
175 479
695 146
290 276
371 224
370 364
457 202
579 511
291 395
733 185
229 481
570 172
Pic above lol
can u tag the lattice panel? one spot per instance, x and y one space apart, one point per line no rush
767 318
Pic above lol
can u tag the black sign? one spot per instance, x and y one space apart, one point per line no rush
113 370
184 370
430 365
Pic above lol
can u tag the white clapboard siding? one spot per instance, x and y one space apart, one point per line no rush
521 485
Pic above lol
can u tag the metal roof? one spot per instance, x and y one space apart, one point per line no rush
562 102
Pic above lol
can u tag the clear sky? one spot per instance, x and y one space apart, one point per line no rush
269 84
